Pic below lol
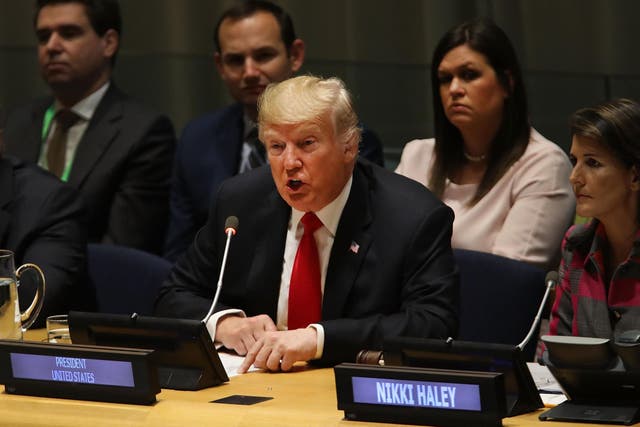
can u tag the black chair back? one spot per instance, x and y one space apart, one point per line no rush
499 299
125 280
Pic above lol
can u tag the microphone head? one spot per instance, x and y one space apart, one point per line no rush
552 276
231 224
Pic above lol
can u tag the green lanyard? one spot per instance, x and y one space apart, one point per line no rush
48 118
46 125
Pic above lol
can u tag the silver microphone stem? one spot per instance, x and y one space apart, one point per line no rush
550 285
230 233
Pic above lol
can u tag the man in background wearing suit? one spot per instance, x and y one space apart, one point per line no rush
332 254
117 153
255 44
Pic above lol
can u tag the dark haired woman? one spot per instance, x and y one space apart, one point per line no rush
599 290
506 183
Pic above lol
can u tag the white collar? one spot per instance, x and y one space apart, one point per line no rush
330 214
86 107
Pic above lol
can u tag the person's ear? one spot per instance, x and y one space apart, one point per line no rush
296 55
635 178
110 43
351 147
509 82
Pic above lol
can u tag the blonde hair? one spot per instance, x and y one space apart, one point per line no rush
307 98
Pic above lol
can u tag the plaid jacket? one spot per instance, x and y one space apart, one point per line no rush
585 305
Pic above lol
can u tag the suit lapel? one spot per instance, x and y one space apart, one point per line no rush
27 143
30 149
102 130
6 196
266 267
349 249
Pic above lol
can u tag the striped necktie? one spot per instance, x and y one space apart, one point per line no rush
257 154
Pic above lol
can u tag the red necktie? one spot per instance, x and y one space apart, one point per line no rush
305 294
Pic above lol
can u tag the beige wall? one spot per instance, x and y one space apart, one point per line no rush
574 53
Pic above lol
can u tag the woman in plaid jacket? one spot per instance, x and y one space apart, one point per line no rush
599 290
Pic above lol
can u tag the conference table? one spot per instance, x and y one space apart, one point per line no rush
304 397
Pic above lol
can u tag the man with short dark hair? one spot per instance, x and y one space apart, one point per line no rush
332 254
117 153
255 44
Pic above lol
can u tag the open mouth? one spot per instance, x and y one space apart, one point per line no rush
294 184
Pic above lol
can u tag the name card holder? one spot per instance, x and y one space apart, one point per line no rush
407 395
107 374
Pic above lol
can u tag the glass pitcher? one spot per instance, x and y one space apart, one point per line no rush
12 321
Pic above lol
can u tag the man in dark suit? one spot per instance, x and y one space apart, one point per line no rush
381 266
90 134
255 44
43 222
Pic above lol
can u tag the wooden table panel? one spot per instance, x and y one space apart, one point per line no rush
303 398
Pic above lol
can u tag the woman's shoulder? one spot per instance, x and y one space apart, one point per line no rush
541 146
416 159
543 153
419 147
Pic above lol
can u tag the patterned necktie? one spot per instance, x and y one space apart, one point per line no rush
257 155
57 150
305 294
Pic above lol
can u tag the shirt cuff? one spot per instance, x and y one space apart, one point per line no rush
212 323
319 339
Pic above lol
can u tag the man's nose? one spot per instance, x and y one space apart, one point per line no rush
251 68
291 158
54 42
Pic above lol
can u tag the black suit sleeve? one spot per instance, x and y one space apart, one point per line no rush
57 242
428 296
189 289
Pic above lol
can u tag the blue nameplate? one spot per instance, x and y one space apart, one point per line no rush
420 396
82 372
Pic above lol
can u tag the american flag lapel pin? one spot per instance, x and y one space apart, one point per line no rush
354 247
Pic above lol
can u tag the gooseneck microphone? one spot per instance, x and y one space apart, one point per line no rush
230 229
551 280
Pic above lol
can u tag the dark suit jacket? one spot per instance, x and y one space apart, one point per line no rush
208 153
402 280
43 222
122 167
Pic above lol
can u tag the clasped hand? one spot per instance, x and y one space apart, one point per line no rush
264 346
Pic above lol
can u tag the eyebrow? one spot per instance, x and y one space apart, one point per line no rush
588 154
61 27
463 65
